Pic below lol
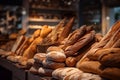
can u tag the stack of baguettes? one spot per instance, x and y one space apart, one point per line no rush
104 57
26 47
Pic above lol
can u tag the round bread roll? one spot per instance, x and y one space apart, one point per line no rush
52 65
45 72
39 57
54 48
56 56
71 61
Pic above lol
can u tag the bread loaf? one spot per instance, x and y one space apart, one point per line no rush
45 31
36 33
17 44
56 56
31 50
113 39
110 57
75 35
23 46
80 43
39 57
65 73
104 40
90 67
52 65
111 73
67 29
116 44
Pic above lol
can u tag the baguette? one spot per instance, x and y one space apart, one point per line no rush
67 29
80 43
75 35
104 40
31 50
17 44
45 31
90 67
111 73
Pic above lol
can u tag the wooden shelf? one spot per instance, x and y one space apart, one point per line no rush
43 20
52 10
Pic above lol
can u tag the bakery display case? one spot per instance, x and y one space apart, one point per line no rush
58 50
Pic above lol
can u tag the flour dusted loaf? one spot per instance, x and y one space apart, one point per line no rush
67 73
56 56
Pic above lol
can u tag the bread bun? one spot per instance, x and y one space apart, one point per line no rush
52 65
56 56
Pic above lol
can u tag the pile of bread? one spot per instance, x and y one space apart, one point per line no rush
104 57
64 54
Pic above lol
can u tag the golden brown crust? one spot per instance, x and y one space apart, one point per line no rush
71 61
79 44
90 67
111 73
67 29
56 56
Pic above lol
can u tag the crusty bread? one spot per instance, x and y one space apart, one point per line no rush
36 33
23 46
31 50
79 44
90 67
75 35
18 42
111 73
110 57
45 31
67 29
71 61
39 57
52 65
104 40
56 56
65 73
